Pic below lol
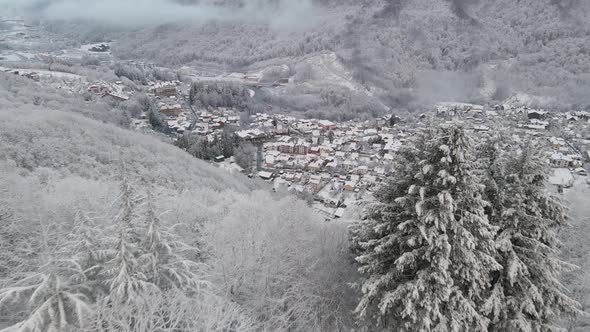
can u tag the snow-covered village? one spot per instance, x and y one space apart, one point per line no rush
341 164
294 166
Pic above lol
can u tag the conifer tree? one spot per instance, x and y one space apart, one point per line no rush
56 305
427 248
123 274
526 294
83 245
163 253
54 298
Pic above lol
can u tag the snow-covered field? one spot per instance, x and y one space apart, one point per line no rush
14 56
50 74
84 50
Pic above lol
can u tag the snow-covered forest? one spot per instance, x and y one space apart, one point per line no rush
100 225
309 165
104 229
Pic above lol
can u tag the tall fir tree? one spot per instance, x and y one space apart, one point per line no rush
164 254
427 248
526 294
123 274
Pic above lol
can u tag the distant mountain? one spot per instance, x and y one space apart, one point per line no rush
534 46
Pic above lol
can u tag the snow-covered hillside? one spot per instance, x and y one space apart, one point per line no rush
538 47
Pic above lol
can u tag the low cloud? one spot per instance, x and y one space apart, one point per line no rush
280 14
434 86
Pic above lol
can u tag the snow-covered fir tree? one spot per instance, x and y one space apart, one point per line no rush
84 244
163 253
526 294
123 273
56 296
427 248
56 305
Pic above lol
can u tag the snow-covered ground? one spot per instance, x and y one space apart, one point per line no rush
14 56
327 69
50 74
230 166
84 50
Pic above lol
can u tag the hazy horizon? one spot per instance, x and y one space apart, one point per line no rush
282 14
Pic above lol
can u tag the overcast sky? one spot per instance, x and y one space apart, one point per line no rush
286 14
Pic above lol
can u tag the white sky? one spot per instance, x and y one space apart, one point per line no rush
288 14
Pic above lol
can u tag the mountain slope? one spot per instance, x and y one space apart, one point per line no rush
54 163
533 46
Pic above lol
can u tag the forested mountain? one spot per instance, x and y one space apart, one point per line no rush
538 47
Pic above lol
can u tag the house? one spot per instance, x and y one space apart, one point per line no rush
332 166
252 77
557 143
481 128
362 170
380 171
33 75
166 89
314 150
115 96
171 110
349 186
265 175
536 115
560 160
315 166
287 147
315 183
326 125
99 88
269 161
371 132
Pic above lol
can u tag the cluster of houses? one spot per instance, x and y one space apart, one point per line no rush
204 122
562 155
167 95
211 122
338 164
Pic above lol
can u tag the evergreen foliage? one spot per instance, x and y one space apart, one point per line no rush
527 294
460 245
